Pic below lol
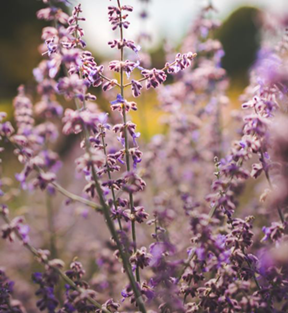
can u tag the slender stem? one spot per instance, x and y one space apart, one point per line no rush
109 80
76 198
266 171
133 226
70 282
254 276
110 177
214 208
281 215
186 265
50 215
140 80
51 226
267 175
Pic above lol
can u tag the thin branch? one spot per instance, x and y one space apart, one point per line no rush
186 265
165 68
109 80
267 175
110 177
61 189
76 198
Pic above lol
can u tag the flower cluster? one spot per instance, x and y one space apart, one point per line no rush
7 303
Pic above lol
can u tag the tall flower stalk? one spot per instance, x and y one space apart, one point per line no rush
126 138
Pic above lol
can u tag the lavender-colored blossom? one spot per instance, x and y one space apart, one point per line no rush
95 76
136 88
154 77
124 43
121 103
74 121
274 232
46 292
181 62
52 13
71 86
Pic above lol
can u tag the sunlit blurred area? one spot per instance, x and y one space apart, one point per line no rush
158 25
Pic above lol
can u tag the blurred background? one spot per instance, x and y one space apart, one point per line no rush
167 20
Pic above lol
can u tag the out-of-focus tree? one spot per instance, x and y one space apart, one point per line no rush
20 33
240 38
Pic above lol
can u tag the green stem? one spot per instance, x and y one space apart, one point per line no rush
267 175
76 198
266 171
186 265
110 177
51 226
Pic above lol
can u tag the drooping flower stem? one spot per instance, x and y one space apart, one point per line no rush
126 139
